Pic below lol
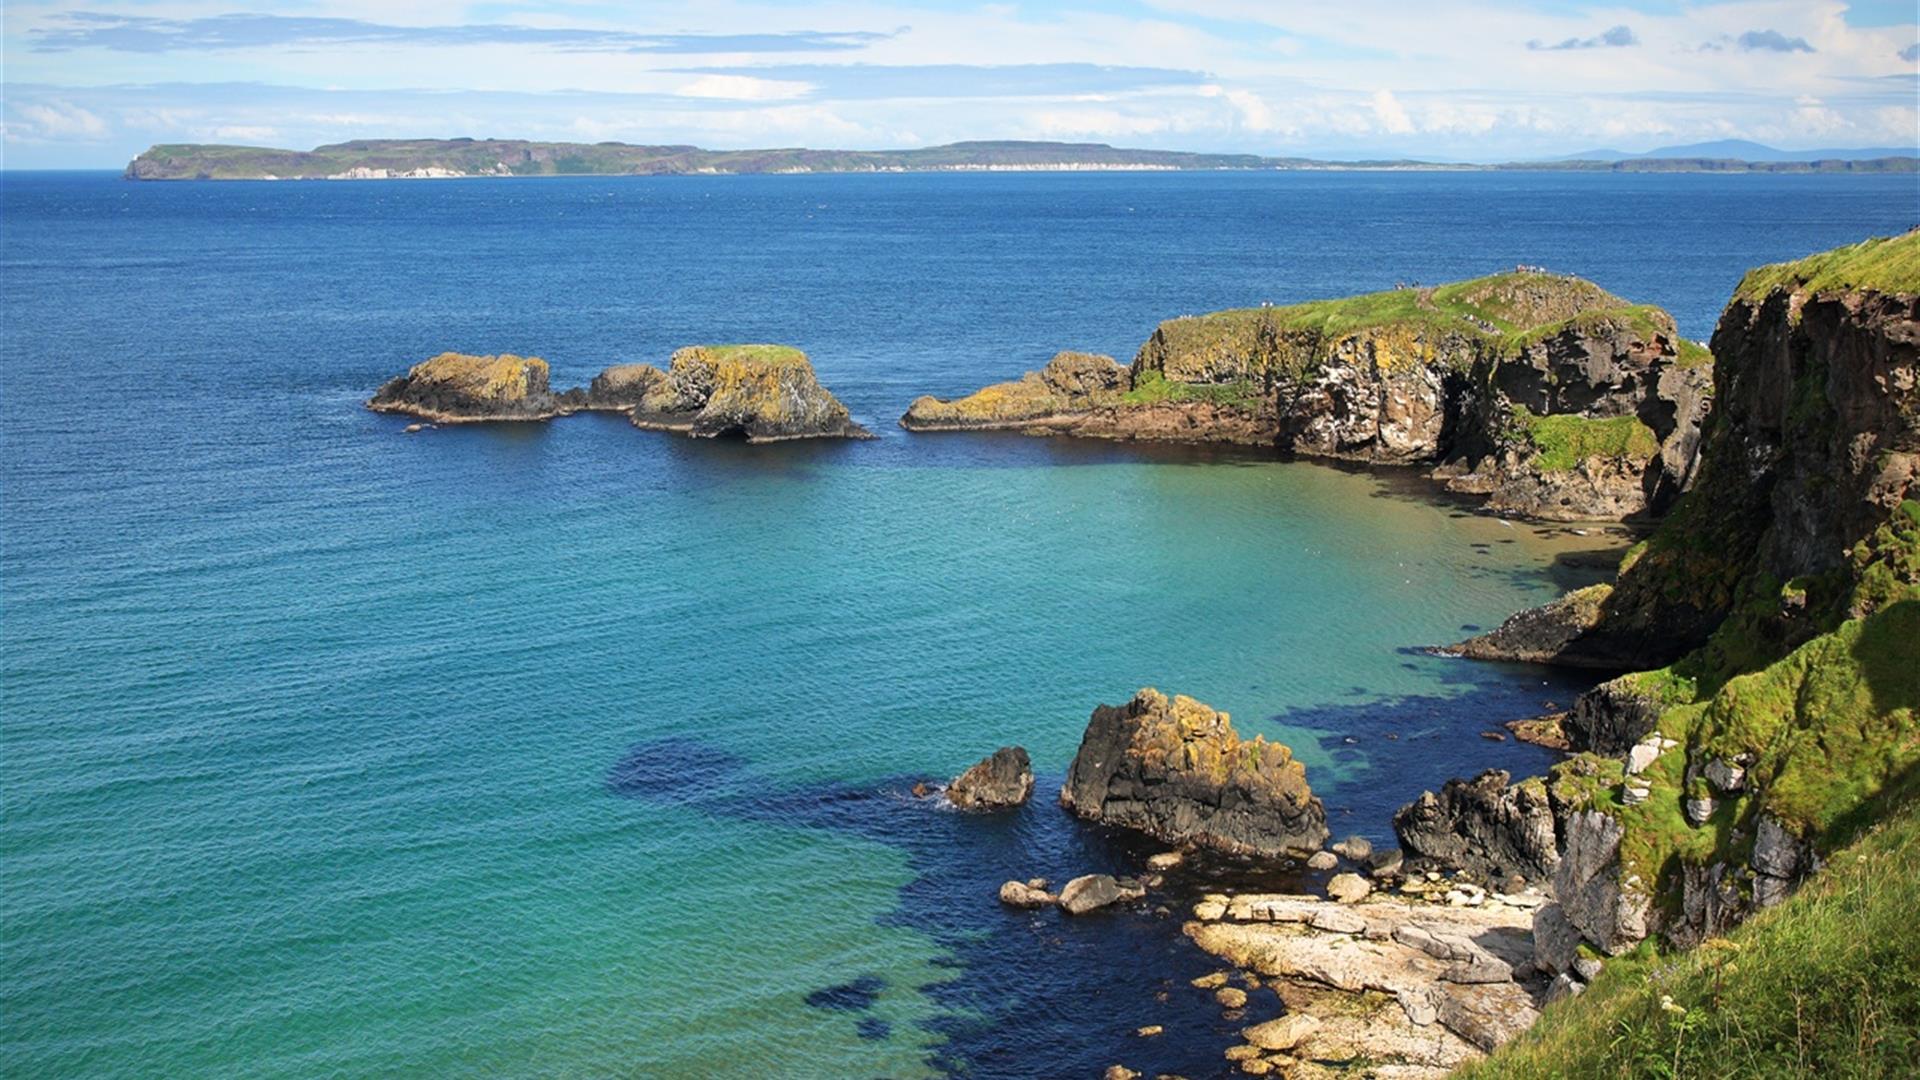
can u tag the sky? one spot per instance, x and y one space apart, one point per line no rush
91 83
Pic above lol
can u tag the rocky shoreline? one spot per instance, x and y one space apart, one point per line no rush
1777 608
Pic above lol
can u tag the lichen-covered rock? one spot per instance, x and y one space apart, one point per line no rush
1544 392
623 386
1070 383
1486 826
1175 769
455 388
763 393
1001 779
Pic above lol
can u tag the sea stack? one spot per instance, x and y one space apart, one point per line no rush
763 393
1175 769
457 388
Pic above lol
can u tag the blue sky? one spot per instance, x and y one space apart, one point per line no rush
89 83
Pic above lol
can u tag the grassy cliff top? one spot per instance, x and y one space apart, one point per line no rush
1506 311
1883 264
763 355
479 370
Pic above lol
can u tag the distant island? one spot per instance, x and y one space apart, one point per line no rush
394 159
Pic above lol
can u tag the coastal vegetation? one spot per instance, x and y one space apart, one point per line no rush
1525 387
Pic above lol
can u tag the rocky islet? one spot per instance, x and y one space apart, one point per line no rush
762 393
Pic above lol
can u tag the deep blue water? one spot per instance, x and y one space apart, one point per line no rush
570 748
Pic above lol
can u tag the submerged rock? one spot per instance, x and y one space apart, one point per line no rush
1175 769
458 388
762 393
1001 779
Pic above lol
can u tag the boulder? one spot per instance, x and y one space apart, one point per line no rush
1354 849
1282 1034
1348 888
1175 769
1023 895
1090 892
1001 779
1322 860
1486 826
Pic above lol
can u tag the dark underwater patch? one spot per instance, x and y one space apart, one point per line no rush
856 996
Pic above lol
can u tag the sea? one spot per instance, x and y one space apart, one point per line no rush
567 749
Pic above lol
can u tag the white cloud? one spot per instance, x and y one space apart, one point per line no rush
1388 111
58 120
742 88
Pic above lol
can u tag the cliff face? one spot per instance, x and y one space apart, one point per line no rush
459 388
1546 394
763 393
1779 610
1176 769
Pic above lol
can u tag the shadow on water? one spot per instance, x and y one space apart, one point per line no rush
1041 994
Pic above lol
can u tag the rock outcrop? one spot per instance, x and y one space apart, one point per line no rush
1001 779
1489 827
1778 608
458 388
623 386
1071 384
762 393
1383 987
1546 394
1175 769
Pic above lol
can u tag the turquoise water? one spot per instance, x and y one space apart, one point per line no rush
571 749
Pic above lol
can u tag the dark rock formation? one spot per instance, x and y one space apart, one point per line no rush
1611 718
762 393
1814 441
1545 393
623 386
1177 770
1002 778
1486 826
457 388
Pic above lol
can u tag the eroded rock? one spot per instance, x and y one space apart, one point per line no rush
1176 769
1003 778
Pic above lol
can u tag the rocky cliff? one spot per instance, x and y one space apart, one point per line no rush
762 393
458 388
1544 393
1778 610
1176 769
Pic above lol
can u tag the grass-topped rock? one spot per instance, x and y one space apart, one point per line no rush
762 393
1546 393
456 388
1175 769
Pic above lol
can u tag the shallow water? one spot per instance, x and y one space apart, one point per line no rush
571 748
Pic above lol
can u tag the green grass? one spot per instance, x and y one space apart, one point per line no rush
1562 442
1825 985
771 355
1885 263
1152 388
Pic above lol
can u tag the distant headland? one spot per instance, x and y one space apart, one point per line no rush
432 159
